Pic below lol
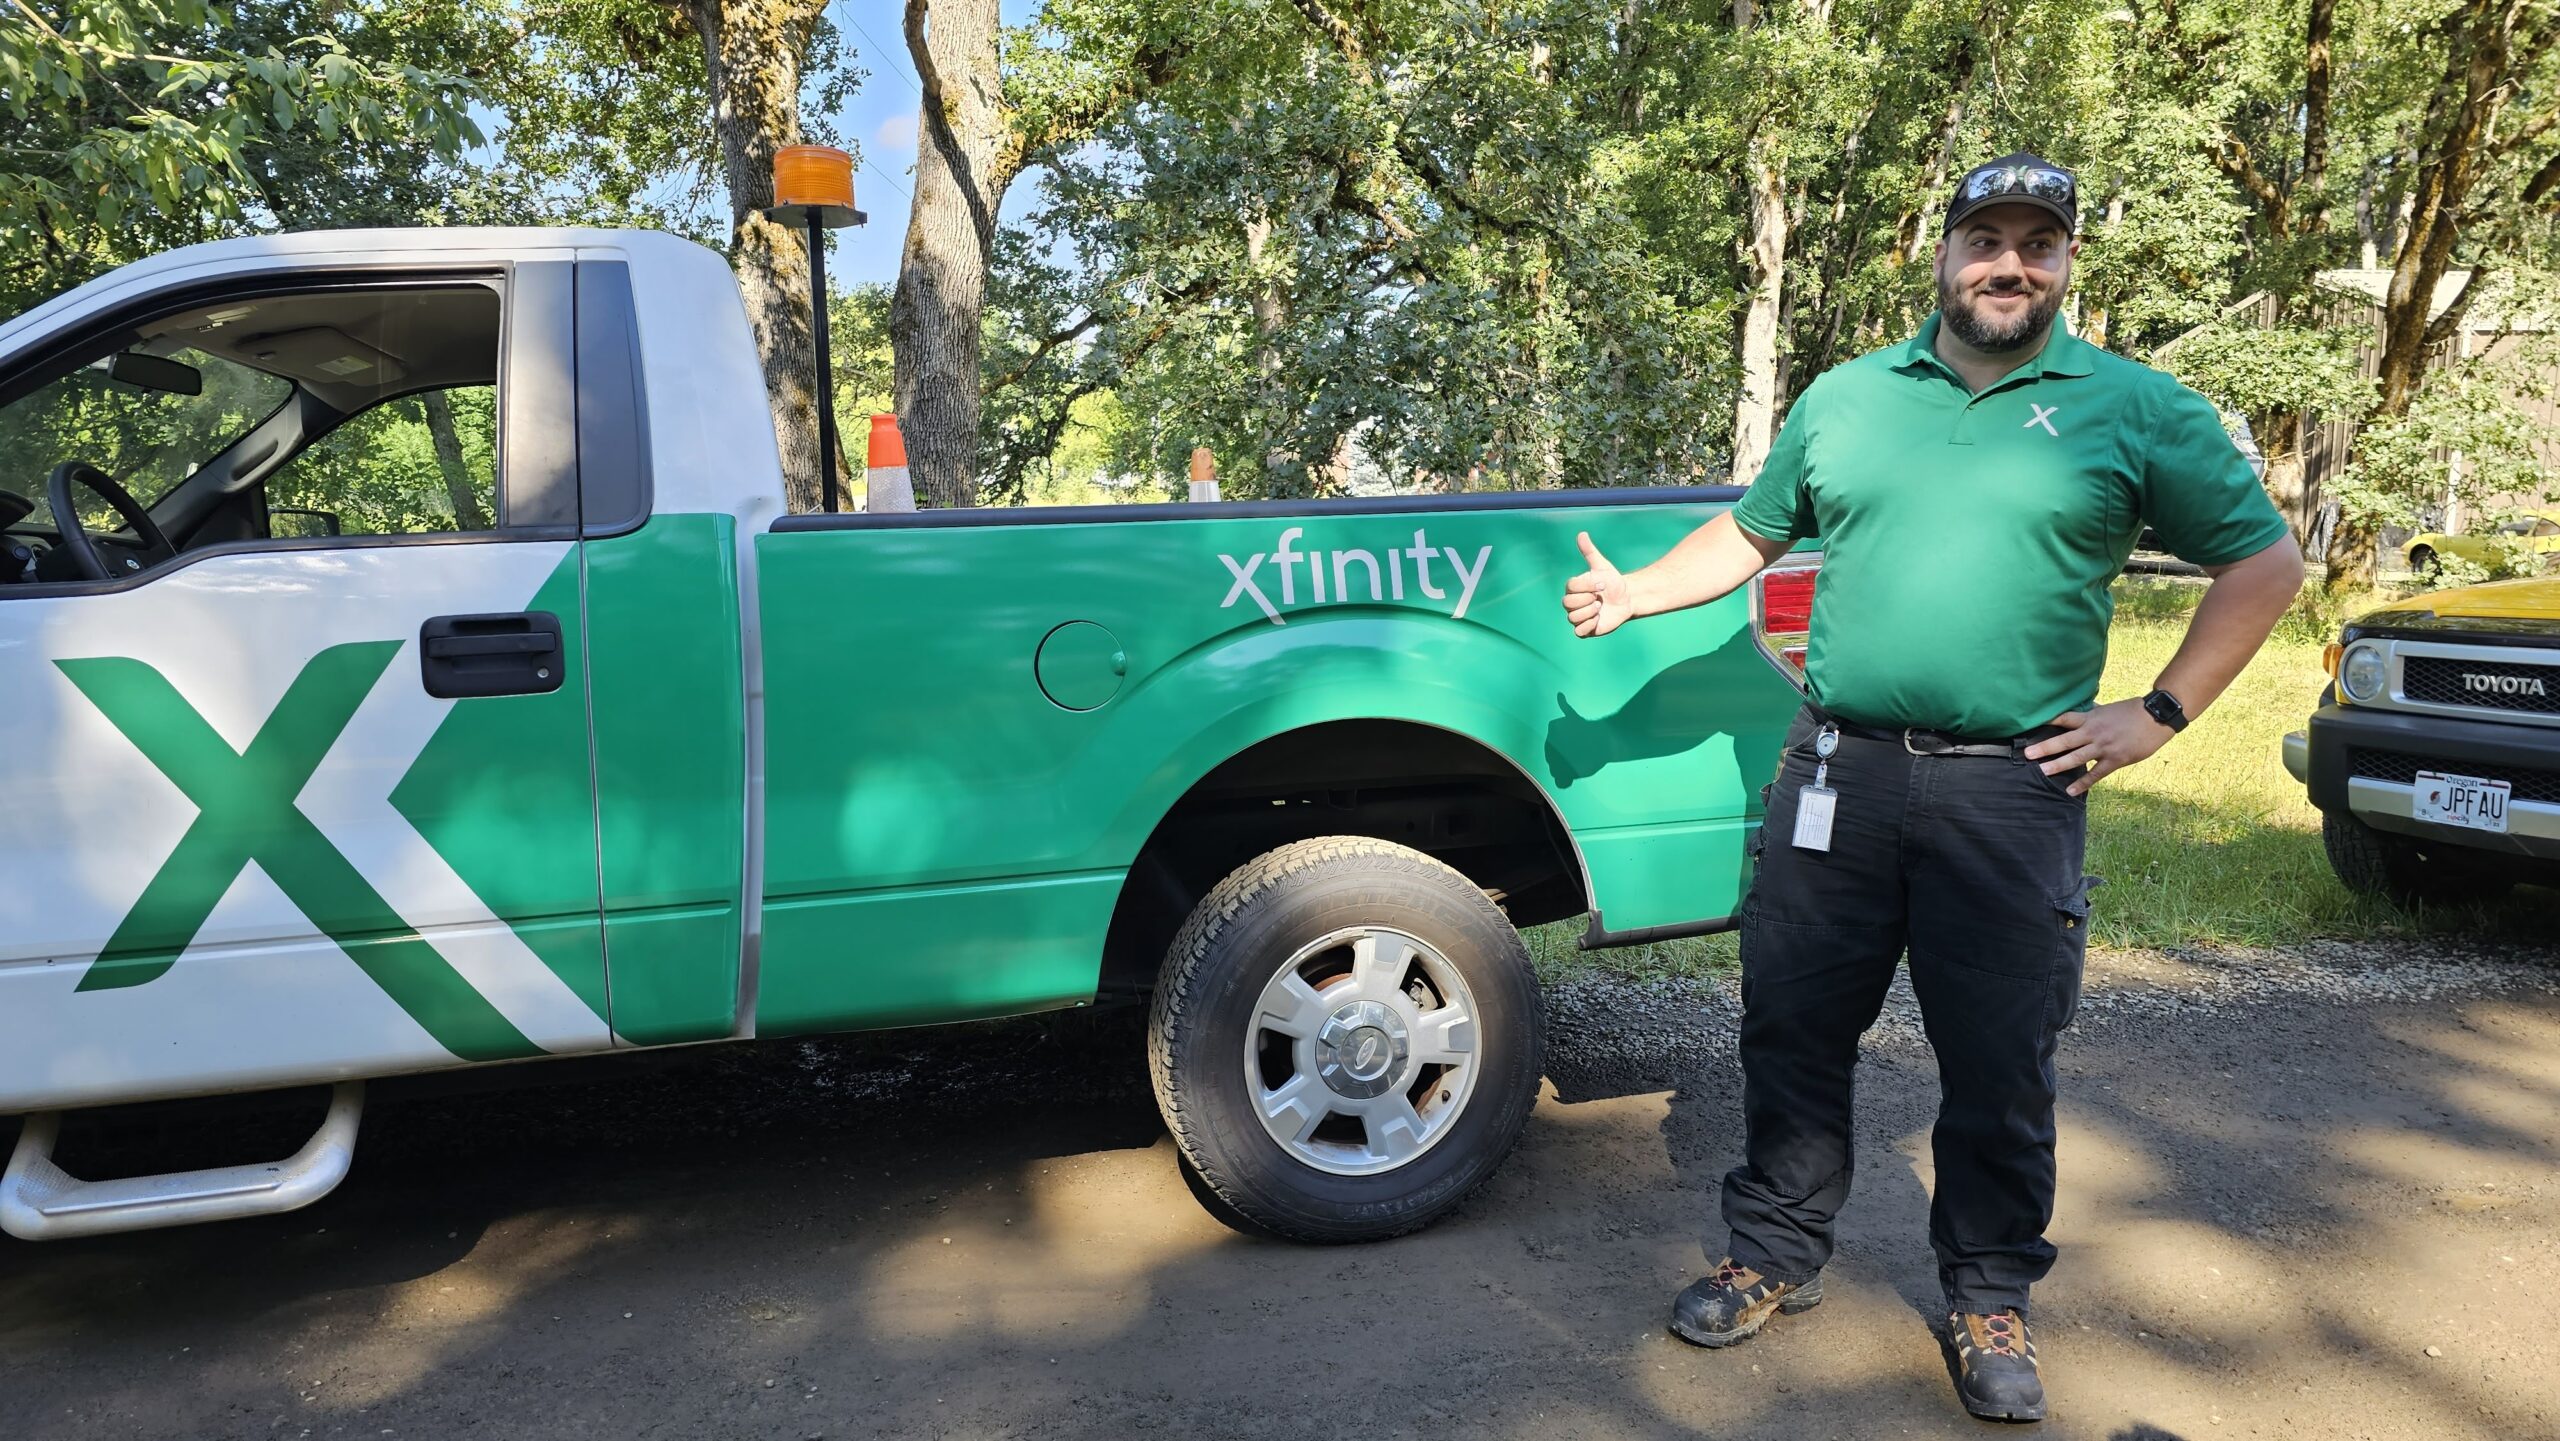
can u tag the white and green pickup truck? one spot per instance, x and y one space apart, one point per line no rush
406 663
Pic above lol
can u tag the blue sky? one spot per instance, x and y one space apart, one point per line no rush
879 123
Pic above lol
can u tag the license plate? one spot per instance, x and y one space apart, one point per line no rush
2466 801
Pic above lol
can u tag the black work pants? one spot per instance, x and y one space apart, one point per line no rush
1973 865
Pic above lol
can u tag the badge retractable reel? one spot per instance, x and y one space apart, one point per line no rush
1817 803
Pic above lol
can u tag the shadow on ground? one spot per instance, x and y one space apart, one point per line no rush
984 1234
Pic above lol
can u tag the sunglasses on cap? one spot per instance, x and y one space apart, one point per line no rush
2044 182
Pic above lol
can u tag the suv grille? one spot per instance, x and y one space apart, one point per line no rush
2510 685
2401 768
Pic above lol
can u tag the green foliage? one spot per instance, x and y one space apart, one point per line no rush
1081 471
1332 272
2458 570
1506 245
380 475
608 119
147 441
2274 374
2285 370
136 125
1370 244
2471 411
858 339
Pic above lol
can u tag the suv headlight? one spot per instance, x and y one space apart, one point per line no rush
2362 670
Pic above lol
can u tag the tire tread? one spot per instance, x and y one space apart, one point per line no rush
1170 1016
2374 863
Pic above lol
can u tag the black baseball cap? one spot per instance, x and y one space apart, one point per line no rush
2019 179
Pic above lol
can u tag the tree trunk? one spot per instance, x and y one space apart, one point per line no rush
1789 298
2462 116
1839 251
1755 411
2313 186
1330 479
1270 317
962 169
468 514
1542 383
2095 331
751 52
2368 217
1631 56
1911 237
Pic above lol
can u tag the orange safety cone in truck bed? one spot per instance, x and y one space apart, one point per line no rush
887 487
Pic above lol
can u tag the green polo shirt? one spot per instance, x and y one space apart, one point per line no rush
1969 540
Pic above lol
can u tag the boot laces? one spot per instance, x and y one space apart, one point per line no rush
2003 1334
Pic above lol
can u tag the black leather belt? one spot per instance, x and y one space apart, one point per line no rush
1921 741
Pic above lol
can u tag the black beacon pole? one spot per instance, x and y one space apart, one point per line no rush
820 218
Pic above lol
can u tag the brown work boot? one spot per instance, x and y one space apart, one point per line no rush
1996 1360
1728 1306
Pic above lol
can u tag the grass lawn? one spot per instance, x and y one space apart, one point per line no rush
2207 842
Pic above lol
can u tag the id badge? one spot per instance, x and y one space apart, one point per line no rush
1818 803
1814 807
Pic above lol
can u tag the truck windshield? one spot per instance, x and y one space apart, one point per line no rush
145 436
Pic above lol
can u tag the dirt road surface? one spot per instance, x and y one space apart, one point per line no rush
2311 1194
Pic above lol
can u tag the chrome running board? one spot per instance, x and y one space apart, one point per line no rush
39 1201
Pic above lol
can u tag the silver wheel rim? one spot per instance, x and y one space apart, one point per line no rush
1363 1051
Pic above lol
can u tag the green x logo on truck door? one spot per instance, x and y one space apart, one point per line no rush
246 812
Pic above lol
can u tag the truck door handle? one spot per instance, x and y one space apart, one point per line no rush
464 656
448 647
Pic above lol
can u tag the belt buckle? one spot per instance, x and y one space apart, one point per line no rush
1909 749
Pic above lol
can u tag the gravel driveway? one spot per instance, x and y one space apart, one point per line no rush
2305 1194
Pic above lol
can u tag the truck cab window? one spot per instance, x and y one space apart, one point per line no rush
417 465
368 411
150 429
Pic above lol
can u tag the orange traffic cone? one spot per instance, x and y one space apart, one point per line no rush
886 486
1204 474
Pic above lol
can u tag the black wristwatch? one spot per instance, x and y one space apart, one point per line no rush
2165 709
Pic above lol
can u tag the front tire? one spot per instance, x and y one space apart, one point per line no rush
2422 562
1346 1041
2406 873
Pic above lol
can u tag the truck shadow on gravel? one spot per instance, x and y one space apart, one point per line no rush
982 1232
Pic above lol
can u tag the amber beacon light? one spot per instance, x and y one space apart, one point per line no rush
813 186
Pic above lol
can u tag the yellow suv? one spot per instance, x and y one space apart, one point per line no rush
2435 755
2536 533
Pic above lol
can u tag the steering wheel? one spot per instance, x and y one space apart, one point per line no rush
83 548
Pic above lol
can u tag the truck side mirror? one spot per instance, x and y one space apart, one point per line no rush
153 372
323 522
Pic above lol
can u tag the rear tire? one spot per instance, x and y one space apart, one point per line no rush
2406 872
1345 1042
2422 562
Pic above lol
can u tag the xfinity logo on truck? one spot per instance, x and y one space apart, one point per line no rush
1330 577
2504 684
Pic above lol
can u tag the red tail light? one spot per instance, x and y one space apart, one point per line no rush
1786 600
1782 611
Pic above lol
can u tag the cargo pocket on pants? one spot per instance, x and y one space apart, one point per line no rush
1753 848
2071 911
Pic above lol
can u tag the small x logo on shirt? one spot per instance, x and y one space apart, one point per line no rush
2043 416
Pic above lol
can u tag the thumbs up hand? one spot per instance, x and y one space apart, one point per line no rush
1599 600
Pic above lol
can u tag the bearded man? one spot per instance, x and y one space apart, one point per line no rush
1976 489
